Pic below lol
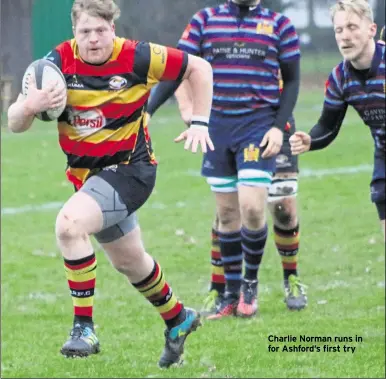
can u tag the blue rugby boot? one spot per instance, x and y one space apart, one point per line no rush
175 339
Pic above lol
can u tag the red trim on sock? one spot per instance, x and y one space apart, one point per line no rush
290 266
83 311
216 254
82 285
218 279
80 266
174 312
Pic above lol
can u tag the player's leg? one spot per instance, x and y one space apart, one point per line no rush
80 217
128 256
254 179
217 282
378 187
283 207
219 168
123 244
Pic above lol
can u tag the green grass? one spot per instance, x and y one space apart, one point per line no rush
341 259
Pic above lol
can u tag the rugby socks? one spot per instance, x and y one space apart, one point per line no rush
218 278
287 243
160 295
81 275
232 258
253 243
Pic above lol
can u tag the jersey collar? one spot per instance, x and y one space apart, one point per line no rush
374 63
235 10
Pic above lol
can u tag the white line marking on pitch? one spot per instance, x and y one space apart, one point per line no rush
303 173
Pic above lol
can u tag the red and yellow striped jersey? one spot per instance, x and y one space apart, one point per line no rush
103 123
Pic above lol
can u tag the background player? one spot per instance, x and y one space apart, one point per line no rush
112 165
247 121
358 81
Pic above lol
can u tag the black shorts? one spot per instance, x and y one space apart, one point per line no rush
134 182
285 161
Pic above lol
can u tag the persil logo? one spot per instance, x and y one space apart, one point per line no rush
117 82
87 122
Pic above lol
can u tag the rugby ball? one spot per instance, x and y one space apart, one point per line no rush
45 72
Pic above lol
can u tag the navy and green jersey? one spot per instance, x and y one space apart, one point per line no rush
363 90
245 54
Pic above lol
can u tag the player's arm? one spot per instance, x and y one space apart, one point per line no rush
328 126
289 61
185 101
22 112
190 42
166 63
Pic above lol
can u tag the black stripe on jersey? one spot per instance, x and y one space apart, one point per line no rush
75 161
142 60
111 123
183 67
101 83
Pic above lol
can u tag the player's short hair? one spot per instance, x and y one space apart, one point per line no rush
106 9
360 7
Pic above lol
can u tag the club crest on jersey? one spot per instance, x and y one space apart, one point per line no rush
251 153
264 27
117 82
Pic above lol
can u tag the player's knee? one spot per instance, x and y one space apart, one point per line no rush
253 216
227 215
284 213
68 227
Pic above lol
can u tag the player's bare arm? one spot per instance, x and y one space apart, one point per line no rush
21 113
185 103
199 77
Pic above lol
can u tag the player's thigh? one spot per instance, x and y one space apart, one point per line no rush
120 190
254 178
219 166
80 214
125 250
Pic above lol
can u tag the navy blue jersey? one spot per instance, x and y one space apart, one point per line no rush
245 54
345 86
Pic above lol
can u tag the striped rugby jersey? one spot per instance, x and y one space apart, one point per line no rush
102 124
366 95
245 54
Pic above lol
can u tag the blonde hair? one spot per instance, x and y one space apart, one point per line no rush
361 8
106 9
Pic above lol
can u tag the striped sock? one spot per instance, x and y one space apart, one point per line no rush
81 275
158 293
232 258
287 243
218 278
253 243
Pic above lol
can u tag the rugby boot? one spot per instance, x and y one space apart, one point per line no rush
175 339
227 307
247 306
212 302
295 293
82 341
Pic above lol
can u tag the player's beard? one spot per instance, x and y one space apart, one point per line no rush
355 54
